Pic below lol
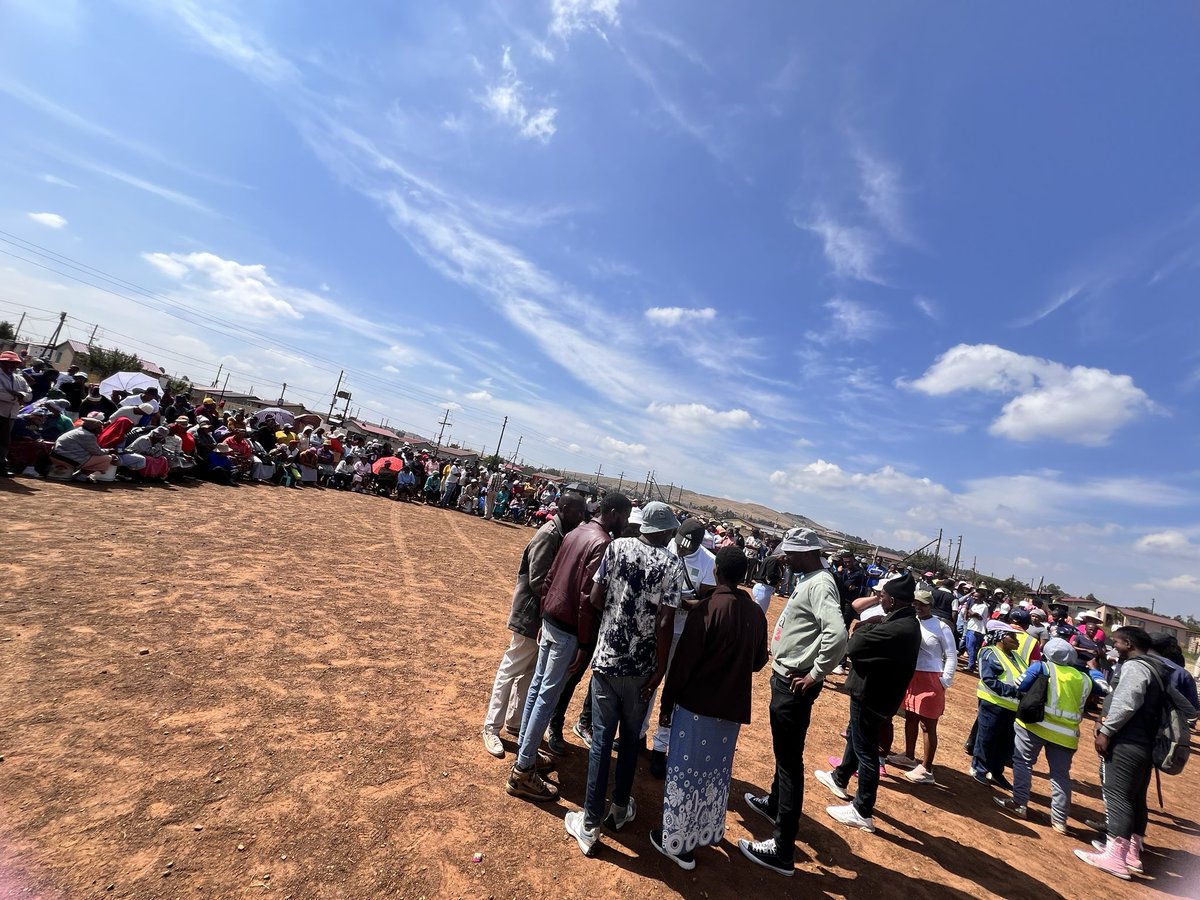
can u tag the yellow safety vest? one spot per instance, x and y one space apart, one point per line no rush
1025 645
1065 696
1013 669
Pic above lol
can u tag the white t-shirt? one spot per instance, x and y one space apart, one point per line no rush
938 653
701 568
979 624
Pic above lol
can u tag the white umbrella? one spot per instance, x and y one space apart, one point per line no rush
282 416
129 382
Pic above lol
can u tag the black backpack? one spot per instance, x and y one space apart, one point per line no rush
1032 708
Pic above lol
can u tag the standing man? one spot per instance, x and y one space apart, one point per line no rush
516 666
489 498
637 588
808 641
450 485
567 624
14 393
977 619
884 659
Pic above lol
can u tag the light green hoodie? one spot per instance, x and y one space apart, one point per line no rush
810 633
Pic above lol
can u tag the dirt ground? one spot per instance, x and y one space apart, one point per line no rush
247 692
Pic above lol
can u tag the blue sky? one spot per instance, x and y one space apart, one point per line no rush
896 267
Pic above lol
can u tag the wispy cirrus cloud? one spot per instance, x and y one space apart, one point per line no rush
854 321
569 17
851 251
505 99
671 316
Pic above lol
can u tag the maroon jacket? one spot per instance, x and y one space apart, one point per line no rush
566 601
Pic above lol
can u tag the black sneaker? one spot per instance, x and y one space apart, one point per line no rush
685 861
760 805
584 733
1001 782
658 764
763 853
555 743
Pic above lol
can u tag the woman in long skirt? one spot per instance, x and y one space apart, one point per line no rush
706 701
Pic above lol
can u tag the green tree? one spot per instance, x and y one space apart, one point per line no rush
7 332
101 362
179 386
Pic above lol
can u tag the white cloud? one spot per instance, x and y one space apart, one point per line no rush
882 193
909 538
134 181
244 288
49 219
855 321
621 448
676 315
478 396
698 417
850 250
571 16
1079 405
1024 562
928 308
233 41
1186 583
55 180
1167 543
505 100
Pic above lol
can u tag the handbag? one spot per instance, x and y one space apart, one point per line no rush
1032 708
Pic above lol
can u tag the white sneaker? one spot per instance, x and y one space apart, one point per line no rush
848 815
920 775
838 670
620 816
826 778
901 759
491 743
574 823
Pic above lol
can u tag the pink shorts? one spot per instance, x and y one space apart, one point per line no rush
925 695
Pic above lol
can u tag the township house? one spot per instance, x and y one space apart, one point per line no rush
68 353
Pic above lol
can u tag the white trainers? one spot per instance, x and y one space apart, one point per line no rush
620 816
848 815
491 743
920 775
587 839
901 759
838 670
826 778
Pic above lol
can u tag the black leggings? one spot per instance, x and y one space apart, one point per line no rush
1126 781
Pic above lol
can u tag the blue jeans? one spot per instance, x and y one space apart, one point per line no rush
556 651
616 701
974 643
862 756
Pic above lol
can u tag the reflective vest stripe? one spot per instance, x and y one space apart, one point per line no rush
1065 696
1025 645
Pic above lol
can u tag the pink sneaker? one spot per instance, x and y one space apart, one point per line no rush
1133 859
1112 860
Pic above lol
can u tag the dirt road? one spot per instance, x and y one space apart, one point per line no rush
248 692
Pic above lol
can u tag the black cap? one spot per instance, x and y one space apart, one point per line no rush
902 589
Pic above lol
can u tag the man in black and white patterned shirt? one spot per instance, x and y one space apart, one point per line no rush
638 588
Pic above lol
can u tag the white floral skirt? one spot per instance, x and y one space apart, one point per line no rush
699 768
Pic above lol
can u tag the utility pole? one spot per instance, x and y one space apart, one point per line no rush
445 421
333 399
501 441
513 458
670 491
224 387
282 390
599 469
220 368
53 342
620 481
92 336
957 556
20 322
937 554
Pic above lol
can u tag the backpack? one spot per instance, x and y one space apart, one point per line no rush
1172 741
1032 708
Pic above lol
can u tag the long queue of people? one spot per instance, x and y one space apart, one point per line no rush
635 595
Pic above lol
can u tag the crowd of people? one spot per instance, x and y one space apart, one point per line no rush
649 599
